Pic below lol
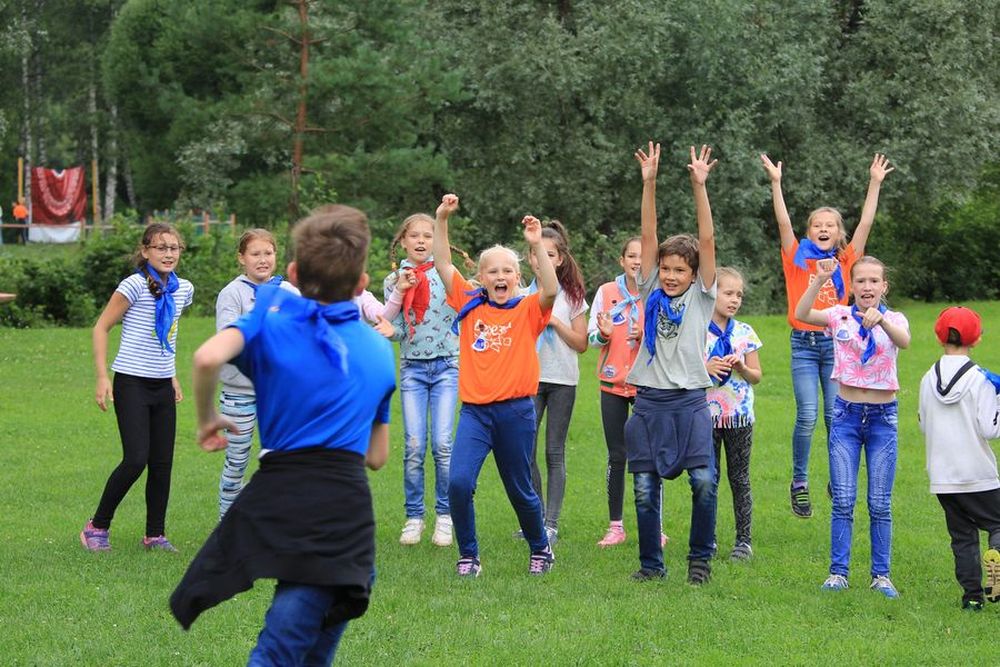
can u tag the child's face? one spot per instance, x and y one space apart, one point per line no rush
258 260
163 253
675 275
868 285
632 259
500 275
824 230
417 241
728 297
551 250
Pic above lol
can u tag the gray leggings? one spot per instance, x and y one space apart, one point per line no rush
558 399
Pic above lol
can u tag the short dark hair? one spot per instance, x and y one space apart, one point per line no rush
955 338
331 250
684 246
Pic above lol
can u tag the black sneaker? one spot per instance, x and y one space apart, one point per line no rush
541 561
644 574
972 605
801 507
741 551
699 572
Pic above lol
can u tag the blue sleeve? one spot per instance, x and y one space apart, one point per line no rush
382 413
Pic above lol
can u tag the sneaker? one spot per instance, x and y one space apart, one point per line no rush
882 584
412 530
699 572
552 534
991 563
468 566
644 574
741 551
541 561
158 543
442 531
801 507
972 605
835 582
94 539
614 536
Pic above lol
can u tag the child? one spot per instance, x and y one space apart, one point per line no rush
959 414
428 373
257 254
867 337
558 355
734 365
324 380
812 352
616 322
498 375
670 429
145 391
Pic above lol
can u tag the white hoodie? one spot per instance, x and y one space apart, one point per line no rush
957 425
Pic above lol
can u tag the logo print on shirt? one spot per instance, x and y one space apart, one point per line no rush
491 336
664 327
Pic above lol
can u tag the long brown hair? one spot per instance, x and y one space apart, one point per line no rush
149 235
401 232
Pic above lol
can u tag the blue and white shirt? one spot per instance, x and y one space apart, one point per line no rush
140 352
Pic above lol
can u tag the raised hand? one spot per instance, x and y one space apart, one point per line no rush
604 325
532 230
448 205
406 280
773 170
649 163
700 165
825 269
880 168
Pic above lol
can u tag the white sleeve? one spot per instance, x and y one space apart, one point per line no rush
988 410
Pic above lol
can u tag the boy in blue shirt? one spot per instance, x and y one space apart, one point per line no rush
324 380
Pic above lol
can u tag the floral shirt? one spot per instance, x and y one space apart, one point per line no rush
880 371
731 404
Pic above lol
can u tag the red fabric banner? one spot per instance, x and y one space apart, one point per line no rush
57 197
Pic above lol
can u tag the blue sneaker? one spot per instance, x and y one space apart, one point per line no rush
882 584
836 582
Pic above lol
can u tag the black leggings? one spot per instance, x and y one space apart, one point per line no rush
147 421
614 414
738 440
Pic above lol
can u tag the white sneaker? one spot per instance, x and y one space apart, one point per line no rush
442 531
412 530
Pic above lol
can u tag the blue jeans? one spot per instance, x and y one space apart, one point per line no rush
701 542
293 632
812 366
872 427
427 384
506 428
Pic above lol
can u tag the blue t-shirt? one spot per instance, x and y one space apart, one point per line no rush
305 398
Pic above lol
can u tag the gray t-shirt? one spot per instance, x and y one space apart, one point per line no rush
679 362
560 363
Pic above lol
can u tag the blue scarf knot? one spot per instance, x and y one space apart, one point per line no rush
629 301
809 250
657 303
480 297
274 280
166 307
723 346
865 334
327 337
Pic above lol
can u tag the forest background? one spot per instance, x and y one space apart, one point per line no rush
266 108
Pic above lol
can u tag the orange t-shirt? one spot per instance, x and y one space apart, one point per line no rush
797 281
497 359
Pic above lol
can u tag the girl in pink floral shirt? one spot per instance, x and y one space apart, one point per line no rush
866 338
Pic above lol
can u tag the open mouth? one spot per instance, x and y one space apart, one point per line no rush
823 238
501 290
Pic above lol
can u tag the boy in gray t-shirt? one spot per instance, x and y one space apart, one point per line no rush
671 429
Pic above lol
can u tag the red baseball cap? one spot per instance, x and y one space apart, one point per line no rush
963 320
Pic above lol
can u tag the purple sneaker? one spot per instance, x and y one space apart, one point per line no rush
158 543
94 539
541 561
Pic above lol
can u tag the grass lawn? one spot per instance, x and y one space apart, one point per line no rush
60 605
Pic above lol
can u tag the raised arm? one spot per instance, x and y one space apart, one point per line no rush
877 171
649 164
112 315
442 247
804 312
548 284
208 359
699 168
785 230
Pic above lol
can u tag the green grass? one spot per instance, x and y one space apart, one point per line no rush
61 605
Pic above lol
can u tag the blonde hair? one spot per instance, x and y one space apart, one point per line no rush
729 272
842 241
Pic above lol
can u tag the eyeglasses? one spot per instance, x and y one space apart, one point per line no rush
165 248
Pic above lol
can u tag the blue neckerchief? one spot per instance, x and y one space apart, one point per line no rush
323 316
481 297
723 344
865 333
993 378
548 333
629 300
657 303
275 280
809 250
166 307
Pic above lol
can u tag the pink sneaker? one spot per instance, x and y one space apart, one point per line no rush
614 536
158 543
94 539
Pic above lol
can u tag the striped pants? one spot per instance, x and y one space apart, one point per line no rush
241 409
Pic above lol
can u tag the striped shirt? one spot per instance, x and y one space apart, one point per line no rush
140 353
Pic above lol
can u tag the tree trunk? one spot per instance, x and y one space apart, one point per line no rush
298 131
95 148
111 177
129 183
26 137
